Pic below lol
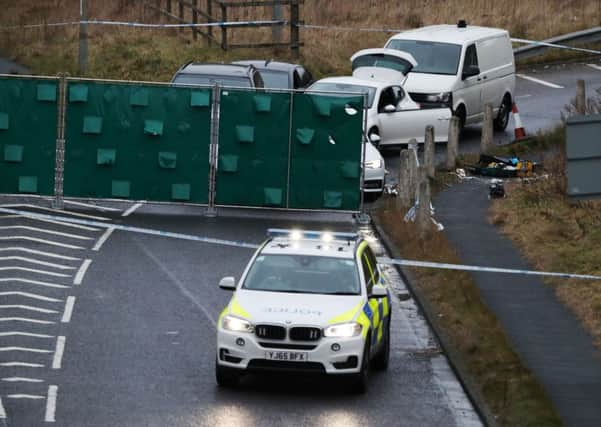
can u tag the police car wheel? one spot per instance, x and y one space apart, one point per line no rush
226 377
381 359
360 379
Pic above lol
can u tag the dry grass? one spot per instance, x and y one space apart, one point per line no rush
53 50
510 390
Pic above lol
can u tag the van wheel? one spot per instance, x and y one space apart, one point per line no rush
461 114
502 119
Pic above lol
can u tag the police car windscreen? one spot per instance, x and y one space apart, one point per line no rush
431 57
303 274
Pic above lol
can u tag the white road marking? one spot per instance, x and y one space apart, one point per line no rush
30 295
30 308
24 396
68 310
22 380
46 242
24 334
34 252
51 404
34 270
33 282
57 360
132 209
21 365
523 96
51 221
26 349
100 218
596 67
90 205
539 81
103 238
35 261
26 320
46 231
81 272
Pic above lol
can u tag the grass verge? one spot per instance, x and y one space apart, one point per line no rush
508 388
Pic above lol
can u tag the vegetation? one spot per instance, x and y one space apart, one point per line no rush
145 54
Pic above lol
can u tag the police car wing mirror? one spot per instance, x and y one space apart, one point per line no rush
228 283
379 291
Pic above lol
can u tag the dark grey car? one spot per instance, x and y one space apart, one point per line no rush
229 75
281 75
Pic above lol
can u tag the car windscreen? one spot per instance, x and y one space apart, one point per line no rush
431 57
207 79
382 61
275 79
305 274
345 88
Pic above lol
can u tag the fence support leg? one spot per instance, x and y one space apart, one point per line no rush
429 152
486 142
453 143
211 211
580 97
59 166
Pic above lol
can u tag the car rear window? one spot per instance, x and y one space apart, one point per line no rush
275 79
431 57
305 274
206 79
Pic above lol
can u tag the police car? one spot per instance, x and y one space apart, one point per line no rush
307 302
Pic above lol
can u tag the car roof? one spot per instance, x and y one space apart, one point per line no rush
450 34
354 81
215 69
269 65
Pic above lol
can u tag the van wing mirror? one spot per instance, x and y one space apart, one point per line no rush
228 283
379 291
470 71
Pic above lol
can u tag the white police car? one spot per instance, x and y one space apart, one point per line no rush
307 302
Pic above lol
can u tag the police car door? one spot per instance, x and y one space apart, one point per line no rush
376 308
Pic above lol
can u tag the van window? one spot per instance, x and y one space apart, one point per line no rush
431 57
471 57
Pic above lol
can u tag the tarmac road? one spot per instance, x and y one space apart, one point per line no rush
138 347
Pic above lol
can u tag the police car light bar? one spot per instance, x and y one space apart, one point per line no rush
326 236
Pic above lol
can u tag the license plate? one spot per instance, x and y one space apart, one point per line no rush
289 356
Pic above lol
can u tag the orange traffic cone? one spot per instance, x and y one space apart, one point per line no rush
520 132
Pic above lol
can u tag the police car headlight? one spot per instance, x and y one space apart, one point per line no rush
235 324
343 330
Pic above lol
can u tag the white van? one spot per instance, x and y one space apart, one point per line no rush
461 67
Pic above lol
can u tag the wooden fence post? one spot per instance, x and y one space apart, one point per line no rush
422 216
223 28
413 169
195 19
181 13
486 142
453 143
429 152
404 188
209 20
294 29
580 97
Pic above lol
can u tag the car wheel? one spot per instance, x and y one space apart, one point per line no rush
381 360
360 379
226 377
502 119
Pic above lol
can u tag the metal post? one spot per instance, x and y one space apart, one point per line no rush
213 151
276 30
453 143
429 152
289 150
580 97
223 28
294 29
487 130
83 37
194 19
364 142
59 167
209 20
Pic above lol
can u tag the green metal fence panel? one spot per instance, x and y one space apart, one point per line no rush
137 141
254 136
28 131
326 152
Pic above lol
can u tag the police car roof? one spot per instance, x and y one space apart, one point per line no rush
287 246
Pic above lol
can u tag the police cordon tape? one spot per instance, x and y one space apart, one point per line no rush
262 23
240 244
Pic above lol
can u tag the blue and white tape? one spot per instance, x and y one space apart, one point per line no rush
247 245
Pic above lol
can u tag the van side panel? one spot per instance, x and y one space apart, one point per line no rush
497 69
